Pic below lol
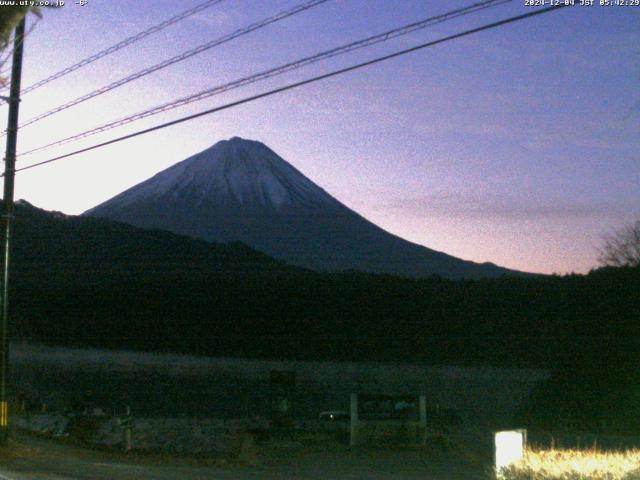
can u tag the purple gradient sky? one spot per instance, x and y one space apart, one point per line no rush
517 146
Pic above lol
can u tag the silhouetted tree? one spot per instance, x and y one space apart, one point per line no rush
9 18
622 247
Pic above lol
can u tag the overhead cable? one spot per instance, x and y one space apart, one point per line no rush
124 43
299 84
178 58
382 37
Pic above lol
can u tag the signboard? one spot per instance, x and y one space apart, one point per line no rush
395 418
388 407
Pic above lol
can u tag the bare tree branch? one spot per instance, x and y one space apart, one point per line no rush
622 247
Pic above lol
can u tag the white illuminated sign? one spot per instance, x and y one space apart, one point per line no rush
509 447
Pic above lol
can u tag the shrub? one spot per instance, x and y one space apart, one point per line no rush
575 465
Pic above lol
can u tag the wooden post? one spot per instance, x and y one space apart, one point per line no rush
126 431
423 420
354 420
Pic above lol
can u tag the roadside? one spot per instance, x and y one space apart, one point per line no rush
31 458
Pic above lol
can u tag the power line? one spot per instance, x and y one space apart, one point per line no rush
124 43
178 58
382 37
299 84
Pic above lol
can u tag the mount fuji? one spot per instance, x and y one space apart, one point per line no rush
240 190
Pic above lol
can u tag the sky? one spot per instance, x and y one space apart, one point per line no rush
517 146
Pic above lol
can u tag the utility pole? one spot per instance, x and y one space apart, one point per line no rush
9 174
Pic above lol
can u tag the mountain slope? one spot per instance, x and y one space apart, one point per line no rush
51 248
240 190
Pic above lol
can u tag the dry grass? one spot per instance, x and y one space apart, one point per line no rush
14 450
575 465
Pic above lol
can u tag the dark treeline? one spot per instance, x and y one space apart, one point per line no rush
526 322
88 282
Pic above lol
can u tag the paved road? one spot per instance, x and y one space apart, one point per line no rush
37 459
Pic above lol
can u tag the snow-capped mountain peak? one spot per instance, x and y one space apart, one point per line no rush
235 172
